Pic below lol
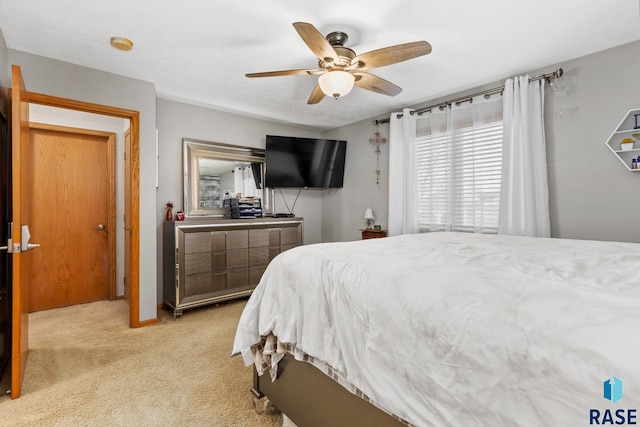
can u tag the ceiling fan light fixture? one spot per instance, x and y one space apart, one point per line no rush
339 65
336 83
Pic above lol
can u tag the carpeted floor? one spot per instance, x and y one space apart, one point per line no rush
86 367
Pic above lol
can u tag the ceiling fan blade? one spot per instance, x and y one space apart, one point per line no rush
316 96
391 55
316 41
281 73
376 84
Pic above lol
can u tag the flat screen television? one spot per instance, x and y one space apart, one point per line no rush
293 162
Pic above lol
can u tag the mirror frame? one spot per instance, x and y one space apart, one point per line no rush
193 150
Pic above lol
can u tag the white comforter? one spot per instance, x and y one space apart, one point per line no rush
462 329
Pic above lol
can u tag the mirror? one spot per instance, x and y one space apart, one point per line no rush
214 171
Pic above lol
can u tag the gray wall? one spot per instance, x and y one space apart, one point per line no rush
592 196
71 81
178 120
343 209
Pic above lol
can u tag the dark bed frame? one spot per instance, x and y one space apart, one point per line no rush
310 398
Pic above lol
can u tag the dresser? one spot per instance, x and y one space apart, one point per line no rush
211 260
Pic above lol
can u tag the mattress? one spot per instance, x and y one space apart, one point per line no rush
460 329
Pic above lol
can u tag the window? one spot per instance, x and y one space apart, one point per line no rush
245 181
458 155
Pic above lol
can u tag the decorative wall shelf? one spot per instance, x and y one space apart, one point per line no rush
629 126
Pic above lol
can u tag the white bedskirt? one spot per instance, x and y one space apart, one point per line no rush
462 329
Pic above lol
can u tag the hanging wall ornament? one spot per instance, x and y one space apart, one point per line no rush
376 141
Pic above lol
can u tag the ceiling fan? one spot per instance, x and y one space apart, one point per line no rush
340 68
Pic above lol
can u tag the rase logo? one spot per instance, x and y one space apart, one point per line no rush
613 389
613 392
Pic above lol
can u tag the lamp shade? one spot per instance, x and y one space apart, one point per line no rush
368 214
336 83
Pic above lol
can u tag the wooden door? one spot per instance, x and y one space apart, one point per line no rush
21 210
73 216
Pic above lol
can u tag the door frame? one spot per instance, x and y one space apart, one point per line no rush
133 192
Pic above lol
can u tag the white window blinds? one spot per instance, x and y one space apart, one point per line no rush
458 156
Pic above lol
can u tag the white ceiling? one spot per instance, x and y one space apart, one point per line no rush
198 51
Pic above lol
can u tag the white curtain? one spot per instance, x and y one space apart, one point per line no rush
403 200
524 194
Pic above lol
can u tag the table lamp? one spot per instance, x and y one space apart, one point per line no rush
368 215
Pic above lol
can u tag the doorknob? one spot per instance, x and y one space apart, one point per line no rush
100 227
11 247
25 245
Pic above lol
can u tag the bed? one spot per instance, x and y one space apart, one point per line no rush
442 329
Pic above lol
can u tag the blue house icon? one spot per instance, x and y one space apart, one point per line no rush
613 389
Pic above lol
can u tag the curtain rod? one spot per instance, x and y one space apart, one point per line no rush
547 77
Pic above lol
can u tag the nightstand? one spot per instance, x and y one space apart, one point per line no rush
373 234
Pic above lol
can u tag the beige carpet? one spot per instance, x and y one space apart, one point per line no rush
87 367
